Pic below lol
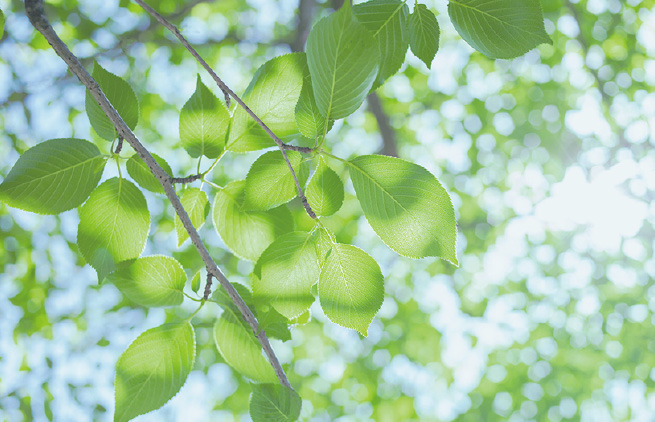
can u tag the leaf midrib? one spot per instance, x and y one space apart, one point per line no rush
482 12
56 172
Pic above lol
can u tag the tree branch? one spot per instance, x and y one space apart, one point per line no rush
187 179
388 134
228 92
36 14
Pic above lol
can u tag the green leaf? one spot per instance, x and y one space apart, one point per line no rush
139 171
122 98
406 206
272 95
195 282
323 241
302 319
204 121
499 29
351 287
325 190
309 119
274 323
274 403
289 268
151 281
241 349
53 177
269 182
423 34
247 233
2 23
114 225
196 204
386 20
343 59
153 369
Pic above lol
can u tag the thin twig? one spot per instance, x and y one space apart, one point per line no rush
119 146
227 91
36 14
187 179
208 286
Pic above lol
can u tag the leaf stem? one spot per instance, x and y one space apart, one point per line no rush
202 303
191 297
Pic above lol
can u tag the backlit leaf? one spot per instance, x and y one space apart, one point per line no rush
423 34
274 403
196 204
269 182
139 171
325 190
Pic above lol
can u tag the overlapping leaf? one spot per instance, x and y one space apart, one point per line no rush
325 190
269 182
122 98
151 281
274 403
406 206
204 122
139 171
499 29
53 177
153 369
196 204
114 225
343 59
309 119
423 34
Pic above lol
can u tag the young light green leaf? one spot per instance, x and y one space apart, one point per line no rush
139 171
274 323
114 225
272 95
53 176
274 403
204 121
195 282
406 206
387 21
153 369
269 182
309 119
302 319
151 281
289 268
351 287
241 350
323 241
499 29
423 34
247 233
196 204
120 95
343 59
325 190
2 23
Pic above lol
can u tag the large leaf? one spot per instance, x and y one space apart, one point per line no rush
114 225
196 204
153 369
241 349
204 121
289 268
343 59
247 233
309 119
423 34
53 177
269 182
272 95
499 29
122 98
325 190
151 281
274 403
406 206
386 20
351 287
139 171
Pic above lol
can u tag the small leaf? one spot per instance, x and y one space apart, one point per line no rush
151 281
274 403
247 233
406 206
323 241
114 225
272 95
139 171
241 349
309 119
274 323
195 282
386 20
351 287
269 182
289 268
122 98
204 121
325 190
53 176
196 204
423 34
302 319
499 29
2 23
153 369
343 59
